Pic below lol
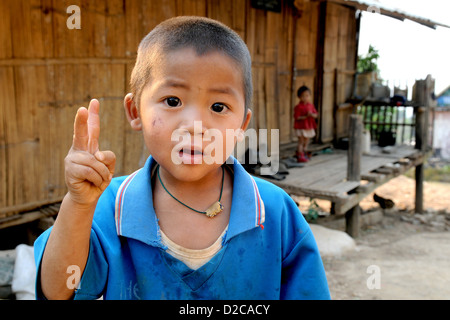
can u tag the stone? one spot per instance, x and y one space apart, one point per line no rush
332 243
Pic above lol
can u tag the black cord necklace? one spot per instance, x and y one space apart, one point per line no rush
212 211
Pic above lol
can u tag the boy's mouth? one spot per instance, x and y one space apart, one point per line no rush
191 152
191 155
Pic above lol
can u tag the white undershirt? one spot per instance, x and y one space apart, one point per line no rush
193 258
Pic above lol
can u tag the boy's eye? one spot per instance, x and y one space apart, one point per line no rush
173 102
218 107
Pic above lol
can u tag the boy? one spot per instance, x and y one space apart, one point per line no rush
304 114
152 236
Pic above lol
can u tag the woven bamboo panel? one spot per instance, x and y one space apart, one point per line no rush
47 71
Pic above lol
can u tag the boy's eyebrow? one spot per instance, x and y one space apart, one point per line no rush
172 83
224 90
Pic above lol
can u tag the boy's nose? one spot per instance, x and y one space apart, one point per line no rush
193 121
194 127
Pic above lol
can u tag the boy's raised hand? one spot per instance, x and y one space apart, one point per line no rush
88 170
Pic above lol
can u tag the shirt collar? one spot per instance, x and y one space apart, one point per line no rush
135 215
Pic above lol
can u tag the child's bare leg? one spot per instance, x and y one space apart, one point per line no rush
301 150
300 145
305 144
305 148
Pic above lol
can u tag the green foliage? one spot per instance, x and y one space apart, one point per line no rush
313 211
368 62
440 174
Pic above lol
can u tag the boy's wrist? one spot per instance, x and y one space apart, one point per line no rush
79 207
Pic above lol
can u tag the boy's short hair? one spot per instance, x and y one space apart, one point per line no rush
301 90
202 34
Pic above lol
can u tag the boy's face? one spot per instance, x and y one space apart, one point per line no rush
188 98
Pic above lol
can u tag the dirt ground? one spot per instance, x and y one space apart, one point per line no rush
405 256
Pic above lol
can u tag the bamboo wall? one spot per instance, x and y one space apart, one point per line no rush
339 62
48 71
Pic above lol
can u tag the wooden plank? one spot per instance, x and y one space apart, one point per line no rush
5 31
95 36
191 8
259 111
45 14
250 30
305 56
306 37
23 153
63 61
317 194
372 176
271 102
71 42
354 148
344 186
421 144
27 206
50 133
29 217
283 29
154 12
115 29
133 17
7 132
352 218
29 32
327 108
232 13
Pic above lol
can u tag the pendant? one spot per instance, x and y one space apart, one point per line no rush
215 209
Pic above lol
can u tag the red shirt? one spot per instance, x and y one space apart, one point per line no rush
302 109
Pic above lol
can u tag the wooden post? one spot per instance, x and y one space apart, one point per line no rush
421 129
354 170
352 221
419 189
354 148
318 94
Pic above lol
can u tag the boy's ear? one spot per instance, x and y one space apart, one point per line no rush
247 119
244 126
132 112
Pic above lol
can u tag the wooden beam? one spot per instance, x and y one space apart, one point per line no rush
352 221
63 61
318 92
7 211
354 148
18 219
421 128
354 171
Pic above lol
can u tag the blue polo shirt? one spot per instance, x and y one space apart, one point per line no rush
268 251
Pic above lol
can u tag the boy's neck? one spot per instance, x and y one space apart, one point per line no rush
210 181
183 226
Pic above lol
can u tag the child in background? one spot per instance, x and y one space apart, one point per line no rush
305 115
150 235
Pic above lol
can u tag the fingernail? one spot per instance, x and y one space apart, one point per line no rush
110 176
100 156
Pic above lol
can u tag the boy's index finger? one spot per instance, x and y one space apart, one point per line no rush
93 124
80 130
